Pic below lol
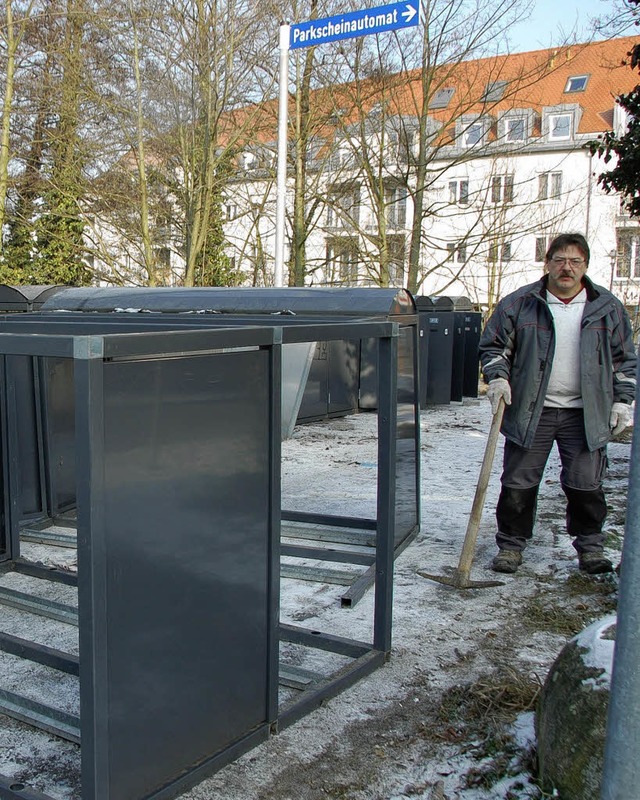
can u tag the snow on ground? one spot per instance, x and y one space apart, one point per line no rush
382 739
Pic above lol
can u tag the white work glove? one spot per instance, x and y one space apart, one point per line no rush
497 388
620 418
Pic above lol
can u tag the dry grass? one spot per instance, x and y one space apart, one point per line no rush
569 608
492 701
478 717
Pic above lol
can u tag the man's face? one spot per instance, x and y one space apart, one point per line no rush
566 269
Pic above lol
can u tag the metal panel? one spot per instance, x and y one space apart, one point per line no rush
297 359
178 524
472 331
407 432
182 488
59 432
315 400
343 377
457 357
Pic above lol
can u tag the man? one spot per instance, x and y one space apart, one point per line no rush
560 353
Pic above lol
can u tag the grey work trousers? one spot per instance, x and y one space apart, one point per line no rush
581 480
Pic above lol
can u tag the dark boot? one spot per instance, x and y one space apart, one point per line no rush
515 515
594 563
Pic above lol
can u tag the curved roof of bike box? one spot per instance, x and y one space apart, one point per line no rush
313 301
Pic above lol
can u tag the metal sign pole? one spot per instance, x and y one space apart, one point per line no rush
620 774
281 191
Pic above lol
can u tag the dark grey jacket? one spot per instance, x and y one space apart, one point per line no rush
518 344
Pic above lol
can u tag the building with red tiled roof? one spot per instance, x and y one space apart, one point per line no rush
507 166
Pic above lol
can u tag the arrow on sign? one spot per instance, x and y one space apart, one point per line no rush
409 14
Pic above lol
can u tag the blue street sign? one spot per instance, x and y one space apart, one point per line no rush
356 23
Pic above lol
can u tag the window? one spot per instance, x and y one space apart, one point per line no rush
163 256
549 185
342 156
628 256
459 192
577 83
163 262
515 130
457 251
248 160
494 91
560 126
342 261
499 253
230 211
344 207
396 206
473 135
542 245
397 248
441 98
406 149
502 189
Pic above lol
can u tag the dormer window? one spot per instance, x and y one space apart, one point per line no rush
576 83
248 160
472 131
560 126
560 123
515 129
473 134
515 126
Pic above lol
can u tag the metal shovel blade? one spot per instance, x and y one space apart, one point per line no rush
459 580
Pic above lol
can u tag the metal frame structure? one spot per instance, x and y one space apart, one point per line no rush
314 527
125 575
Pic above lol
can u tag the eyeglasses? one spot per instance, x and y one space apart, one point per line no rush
558 261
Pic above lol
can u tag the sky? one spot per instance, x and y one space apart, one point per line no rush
553 21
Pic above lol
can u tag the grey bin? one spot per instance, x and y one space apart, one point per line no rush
25 298
459 305
424 306
333 382
449 332
467 325
438 328
27 381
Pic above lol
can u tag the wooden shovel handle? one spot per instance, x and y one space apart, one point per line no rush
468 547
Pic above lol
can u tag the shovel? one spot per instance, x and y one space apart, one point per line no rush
460 577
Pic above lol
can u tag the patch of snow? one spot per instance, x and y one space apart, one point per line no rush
596 651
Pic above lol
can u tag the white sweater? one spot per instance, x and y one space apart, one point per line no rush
564 383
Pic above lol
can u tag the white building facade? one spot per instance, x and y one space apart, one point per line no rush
511 176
